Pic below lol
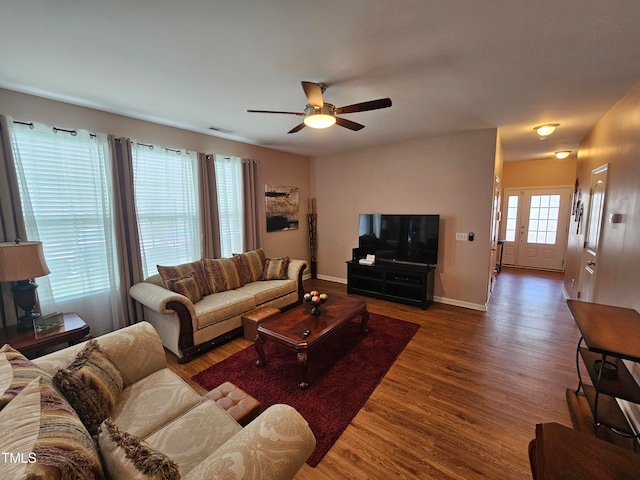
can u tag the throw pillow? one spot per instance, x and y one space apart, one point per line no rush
41 429
242 265
126 456
16 372
276 269
254 261
188 287
91 384
222 274
181 271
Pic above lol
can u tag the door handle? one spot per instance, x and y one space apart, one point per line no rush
591 264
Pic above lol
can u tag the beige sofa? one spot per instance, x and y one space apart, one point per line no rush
232 287
157 406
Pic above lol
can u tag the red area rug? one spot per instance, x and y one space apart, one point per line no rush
343 372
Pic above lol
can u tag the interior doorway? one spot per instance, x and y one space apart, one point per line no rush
536 227
593 225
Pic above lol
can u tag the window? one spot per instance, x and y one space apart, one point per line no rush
543 219
65 187
230 204
165 189
512 218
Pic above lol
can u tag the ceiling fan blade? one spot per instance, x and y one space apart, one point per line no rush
297 128
273 111
365 106
313 91
343 122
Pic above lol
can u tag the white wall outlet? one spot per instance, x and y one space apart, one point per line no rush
462 237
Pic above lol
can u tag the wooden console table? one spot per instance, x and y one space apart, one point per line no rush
72 331
610 335
560 453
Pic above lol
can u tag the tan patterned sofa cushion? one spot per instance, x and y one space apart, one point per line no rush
207 422
146 405
223 305
284 445
267 290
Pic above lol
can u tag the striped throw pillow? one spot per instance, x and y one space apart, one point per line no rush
254 260
16 372
188 287
181 271
40 426
222 274
276 269
91 384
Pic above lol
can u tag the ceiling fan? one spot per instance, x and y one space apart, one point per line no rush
320 114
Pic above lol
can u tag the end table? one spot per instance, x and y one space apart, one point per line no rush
72 331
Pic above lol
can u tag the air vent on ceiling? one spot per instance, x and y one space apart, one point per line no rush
221 130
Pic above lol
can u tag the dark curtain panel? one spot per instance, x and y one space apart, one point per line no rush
11 217
127 238
209 219
252 231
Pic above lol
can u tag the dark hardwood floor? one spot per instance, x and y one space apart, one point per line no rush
463 398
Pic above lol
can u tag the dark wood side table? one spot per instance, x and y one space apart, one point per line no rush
610 334
28 343
560 453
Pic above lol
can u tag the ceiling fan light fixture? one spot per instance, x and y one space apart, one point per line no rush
563 154
315 117
547 129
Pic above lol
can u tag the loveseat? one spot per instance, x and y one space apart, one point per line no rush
181 428
198 305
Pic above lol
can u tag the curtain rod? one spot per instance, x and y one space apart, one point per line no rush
55 129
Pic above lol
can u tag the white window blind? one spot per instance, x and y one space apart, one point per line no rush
166 196
230 204
65 191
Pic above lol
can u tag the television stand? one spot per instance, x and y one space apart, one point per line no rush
397 282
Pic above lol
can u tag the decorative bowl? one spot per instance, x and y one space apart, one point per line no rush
315 299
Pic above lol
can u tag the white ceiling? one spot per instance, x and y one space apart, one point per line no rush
447 65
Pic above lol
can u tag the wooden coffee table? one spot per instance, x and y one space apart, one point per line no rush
287 328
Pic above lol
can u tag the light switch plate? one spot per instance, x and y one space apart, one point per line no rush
462 237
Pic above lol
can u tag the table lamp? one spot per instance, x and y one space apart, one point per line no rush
20 262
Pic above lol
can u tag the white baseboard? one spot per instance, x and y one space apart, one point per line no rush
460 303
332 279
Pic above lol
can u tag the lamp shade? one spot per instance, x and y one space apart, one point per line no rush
22 261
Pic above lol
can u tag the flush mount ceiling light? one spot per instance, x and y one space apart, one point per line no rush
563 154
545 130
319 117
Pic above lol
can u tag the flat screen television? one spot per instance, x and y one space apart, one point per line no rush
400 238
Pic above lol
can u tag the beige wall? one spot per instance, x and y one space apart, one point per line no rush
548 172
615 140
276 168
450 175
